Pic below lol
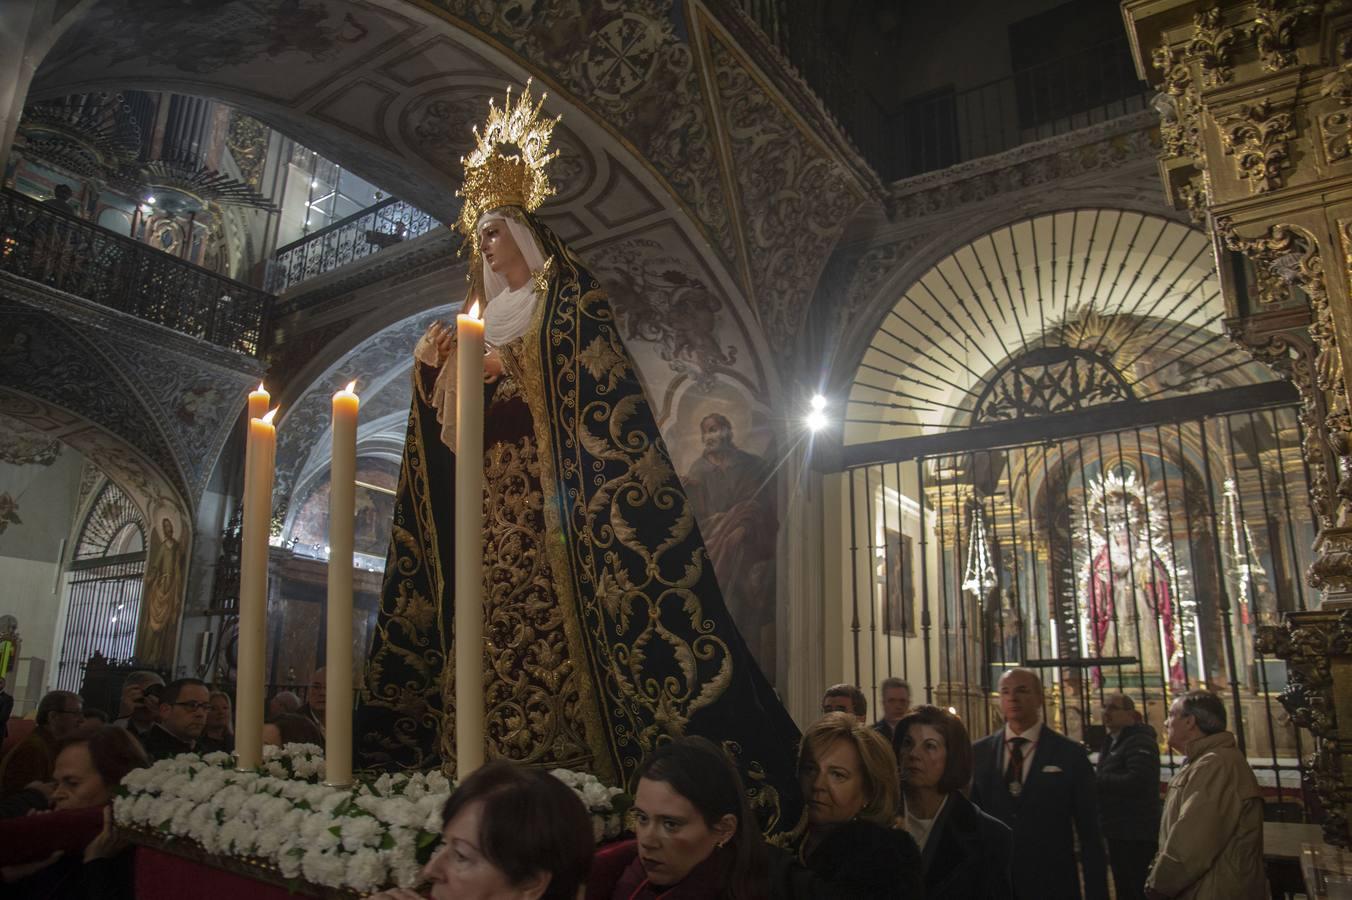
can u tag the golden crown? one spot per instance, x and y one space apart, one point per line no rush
492 177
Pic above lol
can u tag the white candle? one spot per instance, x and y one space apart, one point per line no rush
253 590
338 661
469 527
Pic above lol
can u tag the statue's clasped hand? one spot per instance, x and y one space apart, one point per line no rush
492 367
439 339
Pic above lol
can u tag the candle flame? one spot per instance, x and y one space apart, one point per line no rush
261 389
474 310
351 385
272 412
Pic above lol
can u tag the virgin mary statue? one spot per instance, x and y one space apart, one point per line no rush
605 630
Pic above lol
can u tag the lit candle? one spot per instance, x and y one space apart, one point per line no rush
253 590
469 526
259 401
338 661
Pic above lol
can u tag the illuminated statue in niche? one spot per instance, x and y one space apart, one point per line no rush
1127 590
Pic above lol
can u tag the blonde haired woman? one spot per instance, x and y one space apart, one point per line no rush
849 836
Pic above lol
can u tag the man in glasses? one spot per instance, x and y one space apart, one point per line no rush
60 714
183 717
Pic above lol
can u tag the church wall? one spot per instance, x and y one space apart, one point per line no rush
37 505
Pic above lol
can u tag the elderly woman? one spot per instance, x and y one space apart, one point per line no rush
509 833
964 852
848 838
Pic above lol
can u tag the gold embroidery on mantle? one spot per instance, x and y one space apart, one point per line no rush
632 594
522 362
531 678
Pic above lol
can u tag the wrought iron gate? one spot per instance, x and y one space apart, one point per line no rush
1138 560
104 584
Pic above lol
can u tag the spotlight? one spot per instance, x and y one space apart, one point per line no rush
816 420
151 200
818 403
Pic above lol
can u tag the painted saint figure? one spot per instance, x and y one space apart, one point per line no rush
734 502
165 564
605 629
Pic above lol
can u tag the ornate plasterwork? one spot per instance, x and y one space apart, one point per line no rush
1212 44
1257 137
794 198
1110 145
170 396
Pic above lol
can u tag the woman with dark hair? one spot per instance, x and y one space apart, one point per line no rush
848 837
694 835
509 833
964 852
72 851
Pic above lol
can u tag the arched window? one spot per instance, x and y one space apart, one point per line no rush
105 578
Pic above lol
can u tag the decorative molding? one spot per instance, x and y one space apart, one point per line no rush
1102 146
1257 137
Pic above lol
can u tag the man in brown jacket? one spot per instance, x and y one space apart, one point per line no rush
1211 834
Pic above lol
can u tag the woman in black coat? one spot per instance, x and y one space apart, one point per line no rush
848 846
964 852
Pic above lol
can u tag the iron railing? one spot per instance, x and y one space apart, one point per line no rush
1139 560
947 127
389 222
47 245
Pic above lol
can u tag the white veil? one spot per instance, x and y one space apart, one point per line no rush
508 312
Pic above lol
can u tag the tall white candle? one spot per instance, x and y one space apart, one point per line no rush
253 590
338 661
469 527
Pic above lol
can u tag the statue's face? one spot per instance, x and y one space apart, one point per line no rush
500 249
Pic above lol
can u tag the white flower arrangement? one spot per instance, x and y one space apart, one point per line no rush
365 838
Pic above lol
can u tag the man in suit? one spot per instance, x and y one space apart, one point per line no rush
896 703
1129 795
1041 785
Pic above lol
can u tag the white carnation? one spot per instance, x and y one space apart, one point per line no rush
365 871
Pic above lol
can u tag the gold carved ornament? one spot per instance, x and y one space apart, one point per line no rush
1211 44
1257 136
1274 30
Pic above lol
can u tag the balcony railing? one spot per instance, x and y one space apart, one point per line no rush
42 243
375 228
947 127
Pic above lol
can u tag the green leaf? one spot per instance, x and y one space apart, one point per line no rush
387 841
